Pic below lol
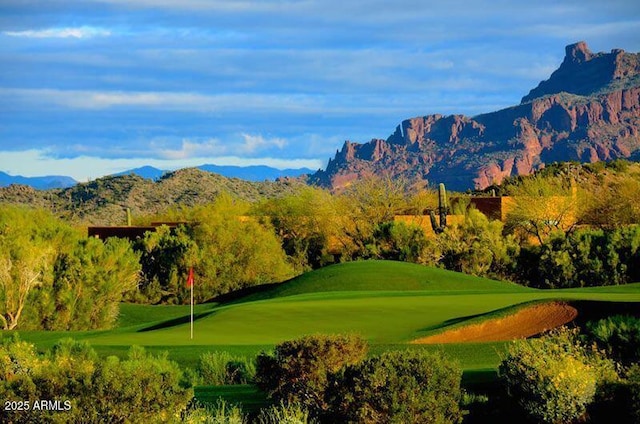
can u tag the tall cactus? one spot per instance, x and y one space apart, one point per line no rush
442 211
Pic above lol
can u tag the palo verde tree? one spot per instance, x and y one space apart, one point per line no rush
91 273
231 249
363 207
29 240
305 223
612 203
542 206
165 256
52 277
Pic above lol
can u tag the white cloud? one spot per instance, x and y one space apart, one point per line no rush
163 100
191 149
69 32
253 143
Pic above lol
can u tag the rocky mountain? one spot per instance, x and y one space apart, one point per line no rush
587 111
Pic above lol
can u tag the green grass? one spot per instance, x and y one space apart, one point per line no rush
388 303
381 276
251 398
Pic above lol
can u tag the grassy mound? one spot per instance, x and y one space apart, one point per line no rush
378 275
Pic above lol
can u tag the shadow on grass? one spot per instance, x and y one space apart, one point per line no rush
176 321
247 294
452 321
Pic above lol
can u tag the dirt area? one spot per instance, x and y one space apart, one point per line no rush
526 322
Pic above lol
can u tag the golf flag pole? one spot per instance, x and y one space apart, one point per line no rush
190 284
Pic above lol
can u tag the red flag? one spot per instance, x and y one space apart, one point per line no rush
190 278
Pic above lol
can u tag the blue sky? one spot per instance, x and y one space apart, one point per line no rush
93 87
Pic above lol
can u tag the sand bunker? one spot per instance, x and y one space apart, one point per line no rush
526 322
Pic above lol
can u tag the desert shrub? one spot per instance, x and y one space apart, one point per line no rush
619 336
284 414
221 412
554 378
220 368
398 387
633 384
398 241
586 257
622 403
298 370
141 388
478 247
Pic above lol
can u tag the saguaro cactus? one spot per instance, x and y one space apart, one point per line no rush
442 211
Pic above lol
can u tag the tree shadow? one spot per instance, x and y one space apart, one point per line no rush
176 321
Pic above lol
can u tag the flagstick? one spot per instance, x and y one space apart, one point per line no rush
192 310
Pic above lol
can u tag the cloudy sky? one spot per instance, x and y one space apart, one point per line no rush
93 87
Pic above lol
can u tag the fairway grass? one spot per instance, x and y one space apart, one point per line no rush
387 303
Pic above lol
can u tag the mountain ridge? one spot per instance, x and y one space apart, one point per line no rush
252 173
42 183
104 201
476 152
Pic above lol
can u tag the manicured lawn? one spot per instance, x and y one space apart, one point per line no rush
388 303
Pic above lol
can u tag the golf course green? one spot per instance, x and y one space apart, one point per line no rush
388 303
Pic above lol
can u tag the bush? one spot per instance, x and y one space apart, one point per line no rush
284 414
478 247
633 384
399 387
298 370
398 241
220 368
142 388
585 257
139 389
219 413
619 336
555 378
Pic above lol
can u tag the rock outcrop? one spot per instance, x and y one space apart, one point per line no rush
588 111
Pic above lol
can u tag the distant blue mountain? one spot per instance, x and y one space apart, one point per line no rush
145 172
249 173
41 183
255 172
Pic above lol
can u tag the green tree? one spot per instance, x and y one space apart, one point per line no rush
363 207
166 256
477 246
542 206
611 203
305 223
92 273
232 249
399 241
29 240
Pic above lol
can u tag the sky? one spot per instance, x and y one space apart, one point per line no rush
93 87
